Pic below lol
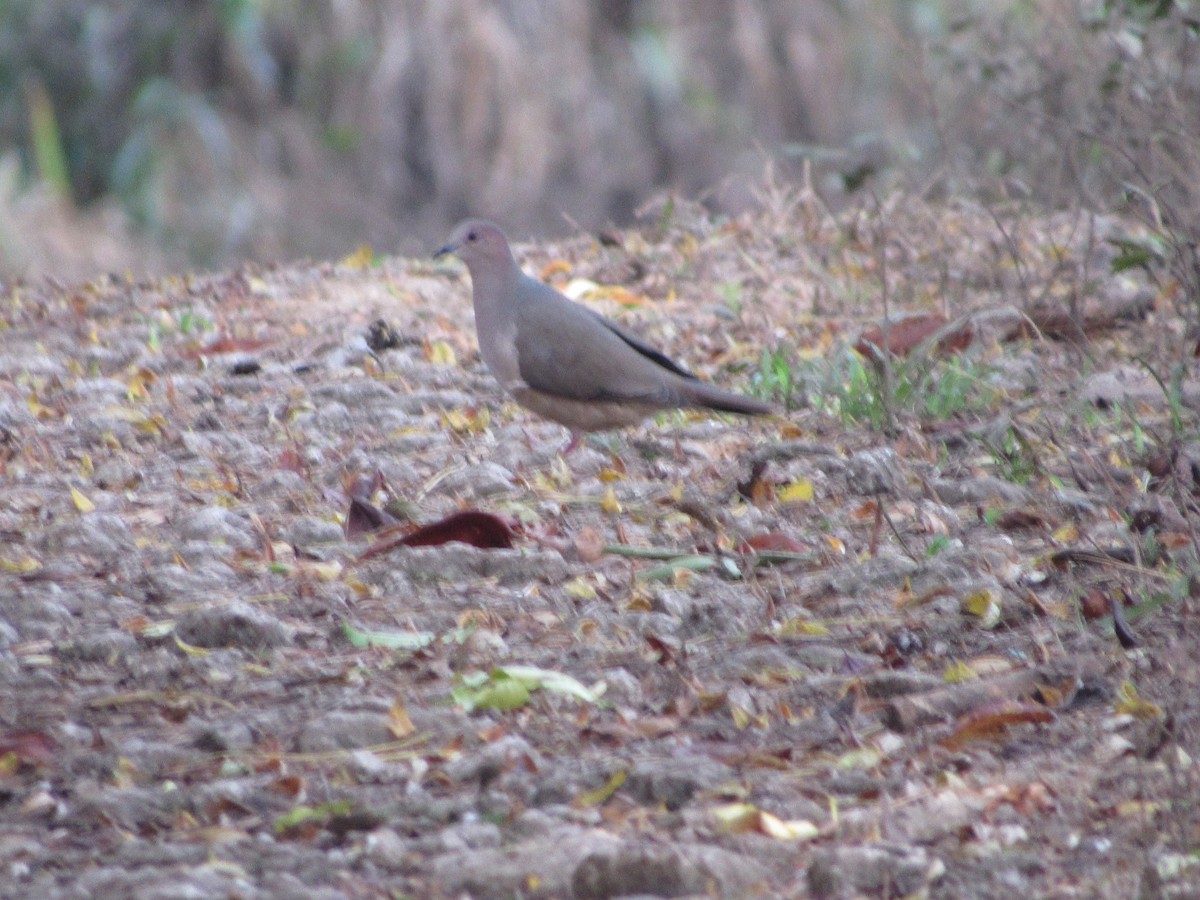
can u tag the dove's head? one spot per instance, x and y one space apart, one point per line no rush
480 244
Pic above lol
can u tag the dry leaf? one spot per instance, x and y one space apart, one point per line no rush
362 258
908 332
991 722
589 544
82 503
796 492
399 724
773 541
440 353
479 529
1020 519
793 830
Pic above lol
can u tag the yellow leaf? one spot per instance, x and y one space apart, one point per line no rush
37 410
742 718
984 605
579 589
359 587
796 627
837 545
361 258
125 414
19 566
1066 534
796 492
639 603
136 388
609 475
794 830
1142 809
958 671
86 469
153 425
609 503
440 353
606 790
466 421
82 503
555 267
860 758
399 724
327 571
621 295
189 649
1130 703
737 818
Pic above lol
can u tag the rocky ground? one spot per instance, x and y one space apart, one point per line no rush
930 631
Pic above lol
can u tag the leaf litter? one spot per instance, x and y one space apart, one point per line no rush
946 596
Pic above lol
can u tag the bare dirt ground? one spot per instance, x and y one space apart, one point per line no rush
865 648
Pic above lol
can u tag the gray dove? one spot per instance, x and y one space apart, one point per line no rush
564 361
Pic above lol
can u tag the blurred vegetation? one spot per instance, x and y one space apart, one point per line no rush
266 129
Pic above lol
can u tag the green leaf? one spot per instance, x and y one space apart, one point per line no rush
667 571
507 688
601 794
391 640
498 692
533 678
302 815
1136 254
643 552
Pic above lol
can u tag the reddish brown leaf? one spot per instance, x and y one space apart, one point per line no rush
1019 520
1174 540
772 541
589 544
993 720
1094 604
226 344
907 333
291 461
479 529
287 785
31 748
664 649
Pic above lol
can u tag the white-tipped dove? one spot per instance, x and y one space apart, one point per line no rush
564 361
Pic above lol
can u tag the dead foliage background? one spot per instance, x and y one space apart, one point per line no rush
266 130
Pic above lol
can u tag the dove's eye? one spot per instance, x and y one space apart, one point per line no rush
472 236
